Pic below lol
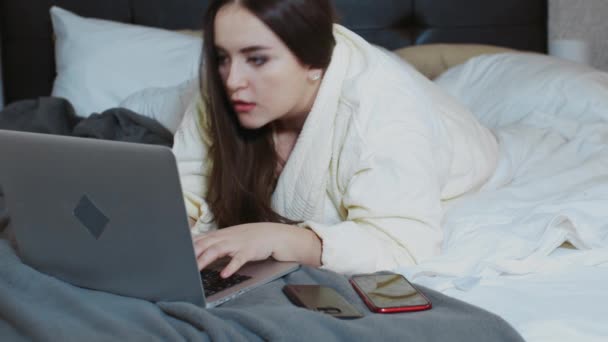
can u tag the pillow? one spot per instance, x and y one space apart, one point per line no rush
99 62
166 105
433 59
504 88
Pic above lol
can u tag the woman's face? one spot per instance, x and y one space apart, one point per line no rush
263 79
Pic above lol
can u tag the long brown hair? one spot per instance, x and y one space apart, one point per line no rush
243 171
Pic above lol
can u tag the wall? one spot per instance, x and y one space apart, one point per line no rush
585 20
1 87
568 19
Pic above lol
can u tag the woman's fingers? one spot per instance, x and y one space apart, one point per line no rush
212 253
241 244
202 242
235 264
219 250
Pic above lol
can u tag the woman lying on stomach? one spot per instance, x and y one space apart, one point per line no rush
311 145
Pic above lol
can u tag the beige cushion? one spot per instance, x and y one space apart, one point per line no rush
433 59
195 33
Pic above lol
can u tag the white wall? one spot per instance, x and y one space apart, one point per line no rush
585 20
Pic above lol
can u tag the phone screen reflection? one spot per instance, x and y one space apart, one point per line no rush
390 290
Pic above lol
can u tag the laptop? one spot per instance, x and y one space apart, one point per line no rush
110 216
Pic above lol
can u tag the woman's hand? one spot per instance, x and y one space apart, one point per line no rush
257 241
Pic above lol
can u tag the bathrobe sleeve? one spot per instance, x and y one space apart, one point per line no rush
392 203
391 197
190 148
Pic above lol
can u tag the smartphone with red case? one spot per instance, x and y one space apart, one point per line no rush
387 292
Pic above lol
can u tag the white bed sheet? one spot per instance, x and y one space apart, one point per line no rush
502 245
568 304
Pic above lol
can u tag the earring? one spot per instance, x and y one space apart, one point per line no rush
315 76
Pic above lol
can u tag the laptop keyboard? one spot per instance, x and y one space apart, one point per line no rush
214 283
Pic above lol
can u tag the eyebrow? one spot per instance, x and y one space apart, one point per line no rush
248 49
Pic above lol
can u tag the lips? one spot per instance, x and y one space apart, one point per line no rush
243 107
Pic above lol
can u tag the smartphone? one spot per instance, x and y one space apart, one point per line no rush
387 292
322 299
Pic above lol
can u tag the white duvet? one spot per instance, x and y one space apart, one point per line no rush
502 246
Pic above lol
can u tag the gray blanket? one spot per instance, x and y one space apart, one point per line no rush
56 116
35 306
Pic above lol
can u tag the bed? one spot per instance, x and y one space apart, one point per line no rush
530 247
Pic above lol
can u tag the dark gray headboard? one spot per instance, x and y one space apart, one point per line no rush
27 49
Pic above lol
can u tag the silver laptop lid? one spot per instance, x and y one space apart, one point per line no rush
100 214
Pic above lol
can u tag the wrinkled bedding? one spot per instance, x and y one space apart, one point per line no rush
551 184
532 245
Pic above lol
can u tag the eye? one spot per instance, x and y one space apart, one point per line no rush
257 60
221 59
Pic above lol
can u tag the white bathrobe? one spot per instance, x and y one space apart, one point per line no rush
380 151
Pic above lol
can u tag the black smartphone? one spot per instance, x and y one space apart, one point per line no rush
322 299
388 292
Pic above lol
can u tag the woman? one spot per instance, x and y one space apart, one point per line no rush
311 145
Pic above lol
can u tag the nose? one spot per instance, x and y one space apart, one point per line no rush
236 78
